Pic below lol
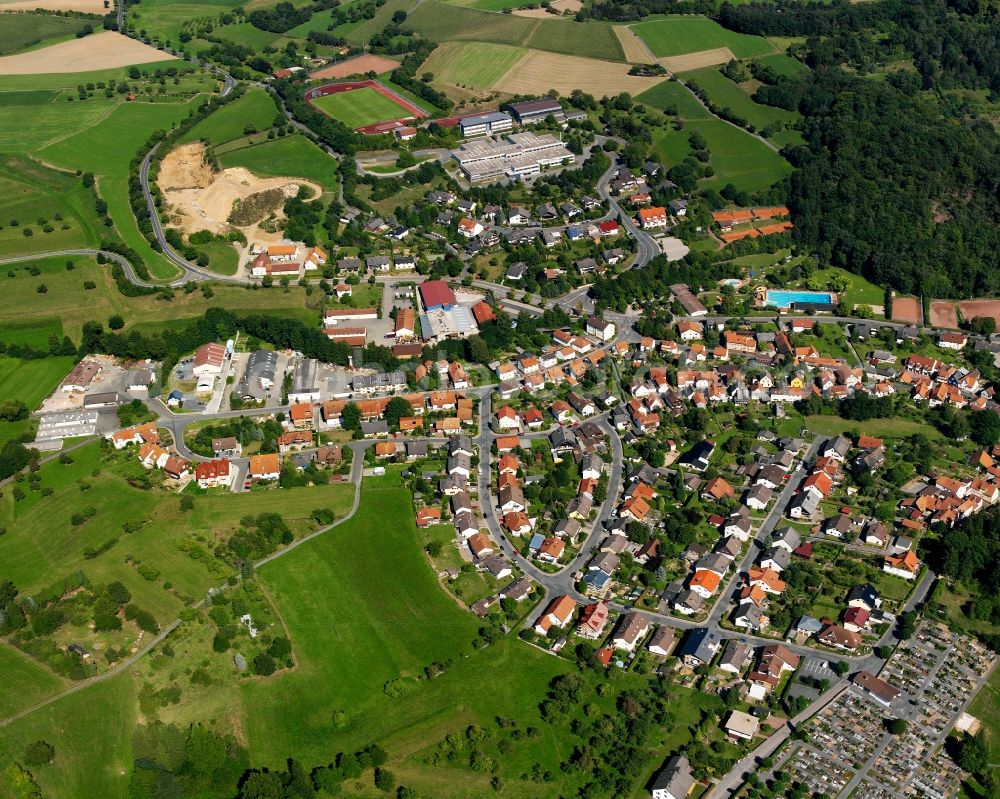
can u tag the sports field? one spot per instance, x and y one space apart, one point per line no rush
442 23
359 107
477 65
677 35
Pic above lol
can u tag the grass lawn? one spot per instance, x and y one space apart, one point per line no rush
25 681
474 64
223 257
359 107
255 108
26 31
288 156
883 428
726 94
986 708
678 35
859 291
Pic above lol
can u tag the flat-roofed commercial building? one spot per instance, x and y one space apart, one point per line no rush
531 112
516 156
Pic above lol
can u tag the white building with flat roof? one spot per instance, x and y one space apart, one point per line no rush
486 124
516 156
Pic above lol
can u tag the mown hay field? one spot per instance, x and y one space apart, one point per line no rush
442 23
477 65
678 35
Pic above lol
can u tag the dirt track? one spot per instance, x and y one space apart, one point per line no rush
539 71
104 50
199 199
356 66
906 309
703 58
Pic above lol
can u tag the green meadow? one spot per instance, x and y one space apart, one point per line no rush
679 35
99 135
42 545
476 64
29 317
43 209
91 731
27 31
254 109
30 382
442 23
726 94
288 156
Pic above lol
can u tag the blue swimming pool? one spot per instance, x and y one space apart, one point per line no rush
785 299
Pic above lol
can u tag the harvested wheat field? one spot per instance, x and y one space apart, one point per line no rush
559 6
537 72
944 313
703 58
199 199
356 66
86 6
99 51
906 309
635 51
533 13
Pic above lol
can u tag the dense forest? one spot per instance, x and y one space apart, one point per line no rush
897 180
889 188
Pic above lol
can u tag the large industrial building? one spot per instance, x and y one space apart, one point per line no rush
516 156
531 112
